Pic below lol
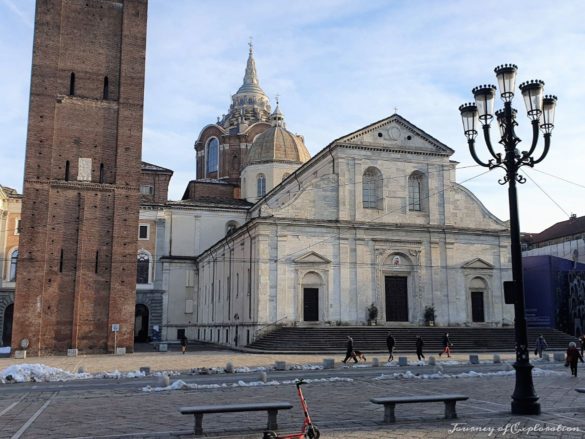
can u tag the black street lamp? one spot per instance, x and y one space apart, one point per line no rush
541 110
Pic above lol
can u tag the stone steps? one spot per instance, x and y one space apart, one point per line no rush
373 339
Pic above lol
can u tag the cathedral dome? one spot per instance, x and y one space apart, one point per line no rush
277 144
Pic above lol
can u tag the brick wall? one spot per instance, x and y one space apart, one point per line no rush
77 266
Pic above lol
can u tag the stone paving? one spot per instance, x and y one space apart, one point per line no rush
341 409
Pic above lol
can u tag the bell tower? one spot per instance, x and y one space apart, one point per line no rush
77 256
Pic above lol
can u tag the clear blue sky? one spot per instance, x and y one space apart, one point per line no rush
339 65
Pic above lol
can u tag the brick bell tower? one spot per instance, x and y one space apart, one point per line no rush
77 264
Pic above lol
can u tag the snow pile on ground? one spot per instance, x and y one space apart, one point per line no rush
249 369
182 385
471 374
117 375
305 367
21 373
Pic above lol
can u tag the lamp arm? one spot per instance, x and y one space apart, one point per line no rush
534 139
471 143
488 142
546 148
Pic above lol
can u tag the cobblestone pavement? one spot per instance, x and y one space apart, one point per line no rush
341 409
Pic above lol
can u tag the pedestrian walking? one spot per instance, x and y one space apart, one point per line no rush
540 346
184 345
582 341
349 350
447 345
419 347
390 343
573 356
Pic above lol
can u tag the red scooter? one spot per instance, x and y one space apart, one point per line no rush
308 431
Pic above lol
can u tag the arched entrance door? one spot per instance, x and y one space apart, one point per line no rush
141 323
311 285
478 287
7 326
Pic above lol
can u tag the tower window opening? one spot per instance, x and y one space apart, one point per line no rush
106 88
72 84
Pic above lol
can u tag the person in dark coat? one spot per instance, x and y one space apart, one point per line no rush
573 356
419 347
390 343
349 351
447 345
184 344
582 341
540 346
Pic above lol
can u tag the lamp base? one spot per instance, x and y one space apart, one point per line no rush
524 399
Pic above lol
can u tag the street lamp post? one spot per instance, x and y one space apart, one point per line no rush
541 111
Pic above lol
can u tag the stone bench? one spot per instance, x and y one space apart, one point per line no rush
271 407
390 403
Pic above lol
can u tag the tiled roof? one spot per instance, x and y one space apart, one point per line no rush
570 227
212 202
150 167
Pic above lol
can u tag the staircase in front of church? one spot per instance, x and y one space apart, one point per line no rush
317 340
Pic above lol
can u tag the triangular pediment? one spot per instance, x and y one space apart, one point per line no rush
312 258
478 263
396 133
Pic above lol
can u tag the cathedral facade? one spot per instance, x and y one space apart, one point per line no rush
264 234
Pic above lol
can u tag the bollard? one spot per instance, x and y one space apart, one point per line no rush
559 356
263 377
280 365
81 369
19 355
432 360
497 359
163 347
375 362
402 361
328 363
474 359
120 351
72 352
145 370
164 381
545 356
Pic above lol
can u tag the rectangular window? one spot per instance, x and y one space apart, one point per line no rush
17 227
146 189
189 278
143 231
188 306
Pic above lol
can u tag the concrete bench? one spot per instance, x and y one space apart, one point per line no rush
271 407
390 403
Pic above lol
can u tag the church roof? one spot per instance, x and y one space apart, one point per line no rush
277 144
150 167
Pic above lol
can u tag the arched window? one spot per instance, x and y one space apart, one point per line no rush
212 155
260 185
372 184
143 268
106 88
415 189
230 227
13 265
72 85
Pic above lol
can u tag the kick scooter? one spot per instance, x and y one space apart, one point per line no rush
308 431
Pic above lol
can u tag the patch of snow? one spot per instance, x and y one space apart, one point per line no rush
21 373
